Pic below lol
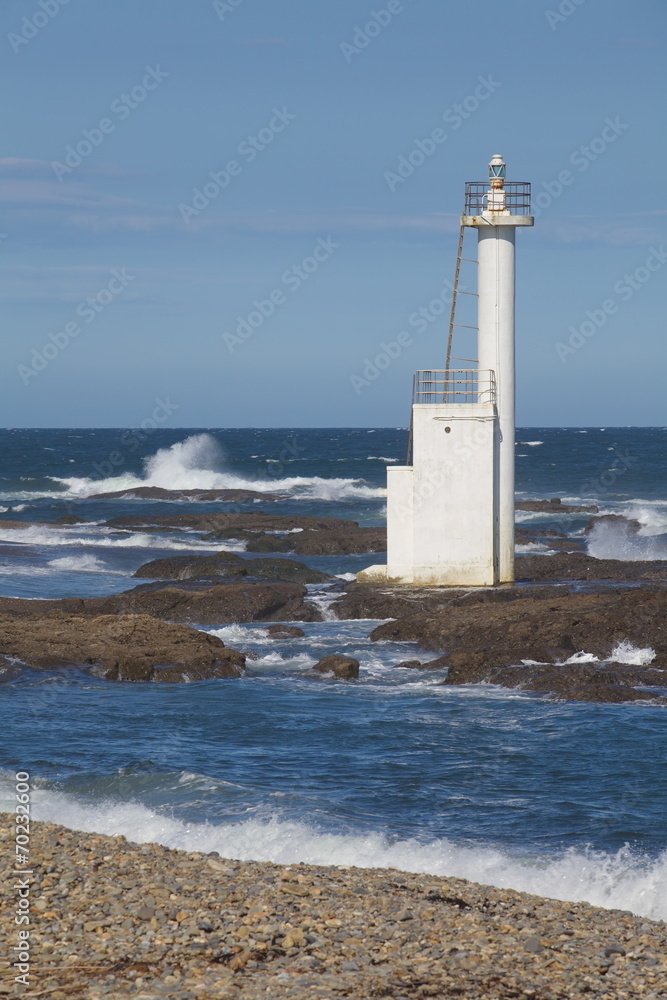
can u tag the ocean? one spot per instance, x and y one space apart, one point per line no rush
502 787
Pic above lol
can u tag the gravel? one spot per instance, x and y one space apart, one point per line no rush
113 919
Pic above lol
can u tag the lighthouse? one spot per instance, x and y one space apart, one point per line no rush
450 509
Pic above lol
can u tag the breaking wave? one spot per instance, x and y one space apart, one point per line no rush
626 879
109 539
628 541
198 463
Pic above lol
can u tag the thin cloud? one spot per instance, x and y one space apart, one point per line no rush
29 191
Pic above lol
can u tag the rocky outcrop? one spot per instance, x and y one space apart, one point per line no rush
267 533
285 632
198 496
627 525
195 604
226 565
220 521
579 566
556 506
345 668
329 543
486 641
118 647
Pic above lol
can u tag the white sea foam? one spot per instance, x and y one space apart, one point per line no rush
531 444
624 880
66 564
582 657
619 540
12 569
276 662
199 463
522 548
634 656
80 564
623 652
56 537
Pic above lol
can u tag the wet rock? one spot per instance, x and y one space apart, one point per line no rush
579 566
285 632
488 641
226 565
157 493
556 506
219 520
317 535
627 525
70 519
327 543
118 647
268 543
189 603
345 668
409 665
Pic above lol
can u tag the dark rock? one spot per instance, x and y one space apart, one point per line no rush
486 641
366 601
556 506
268 543
191 603
328 542
524 534
580 566
118 647
218 520
157 493
226 565
627 525
439 664
256 541
409 665
345 668
70 519
319 535
285 632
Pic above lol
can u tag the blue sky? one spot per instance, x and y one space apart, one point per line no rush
119 288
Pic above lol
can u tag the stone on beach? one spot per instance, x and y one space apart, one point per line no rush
121 920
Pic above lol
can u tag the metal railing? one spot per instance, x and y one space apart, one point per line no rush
517 197
454 386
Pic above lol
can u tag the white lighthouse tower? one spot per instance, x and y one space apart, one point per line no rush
450 510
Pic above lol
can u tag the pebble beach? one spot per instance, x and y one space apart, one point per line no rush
112 918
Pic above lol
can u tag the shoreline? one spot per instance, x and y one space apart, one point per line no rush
111 918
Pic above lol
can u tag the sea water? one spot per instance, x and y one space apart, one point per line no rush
502 787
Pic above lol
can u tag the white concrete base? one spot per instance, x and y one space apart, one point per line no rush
373 574
442 512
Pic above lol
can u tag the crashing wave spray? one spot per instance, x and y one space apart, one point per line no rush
198 463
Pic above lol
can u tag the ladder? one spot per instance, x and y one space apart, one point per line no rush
452 325
455 294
